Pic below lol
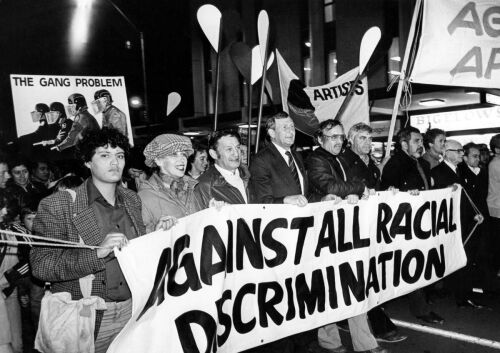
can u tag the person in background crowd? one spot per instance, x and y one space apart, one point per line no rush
277 175
446 173
328 179
20 186
40 178
484 155
100 212
83 121
406 171
11 272
4 173
493 199
227 179
277 171
360 166
168 194
111 115
197 162
68 182
434 146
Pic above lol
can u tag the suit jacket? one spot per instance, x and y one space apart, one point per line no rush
212 184
326 177
402 173
271 180
443 176
476 186
357 170
60 217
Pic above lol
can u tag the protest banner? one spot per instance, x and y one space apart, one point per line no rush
247 275
309 106
459 44
29 90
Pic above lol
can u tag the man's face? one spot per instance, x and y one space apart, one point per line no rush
4 175
20 175
332 139
473 158
42 171
200 162
174 165
415 147
283 133
228 153
454 152
362 143
107 164
438 145
28 221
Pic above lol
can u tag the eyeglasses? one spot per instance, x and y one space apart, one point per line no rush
334 137
458 151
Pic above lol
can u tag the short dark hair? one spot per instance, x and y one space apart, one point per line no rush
326 125
430 136
198 148
94 139
471 145
17 161
495 142
271 121
405 134
217 135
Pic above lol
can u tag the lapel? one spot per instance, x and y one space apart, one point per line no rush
221 182
132 209
84 218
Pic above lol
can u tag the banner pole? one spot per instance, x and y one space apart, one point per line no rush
249 136
217 78
347 99
402 76
262 93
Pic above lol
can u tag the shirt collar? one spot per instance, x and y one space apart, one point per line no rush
282 151
452 166
226 173
475 170
94 195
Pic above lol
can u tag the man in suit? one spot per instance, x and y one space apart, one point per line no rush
277 171
328 179
405 171
227 179
99 212
444 175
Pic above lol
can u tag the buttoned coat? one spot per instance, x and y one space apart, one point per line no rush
271 179
60 217
402 173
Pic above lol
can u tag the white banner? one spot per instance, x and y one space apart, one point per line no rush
29 90
250 274
459 44
309 106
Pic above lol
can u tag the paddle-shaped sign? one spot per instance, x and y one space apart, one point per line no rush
173 101
209 18
257 64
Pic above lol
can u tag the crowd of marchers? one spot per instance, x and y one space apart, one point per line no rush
99 200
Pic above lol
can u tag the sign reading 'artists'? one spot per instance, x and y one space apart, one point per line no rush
250 274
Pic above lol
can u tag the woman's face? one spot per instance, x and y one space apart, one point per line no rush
20 175
173 165
200 162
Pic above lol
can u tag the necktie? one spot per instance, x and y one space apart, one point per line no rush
293 168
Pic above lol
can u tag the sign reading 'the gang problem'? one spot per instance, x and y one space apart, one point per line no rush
247 275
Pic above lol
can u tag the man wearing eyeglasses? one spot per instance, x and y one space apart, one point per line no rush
446 173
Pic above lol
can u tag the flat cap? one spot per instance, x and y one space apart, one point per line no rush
166 144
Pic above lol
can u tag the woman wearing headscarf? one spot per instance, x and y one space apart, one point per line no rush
168 193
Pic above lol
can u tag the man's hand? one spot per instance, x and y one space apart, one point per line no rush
332 197
414 192
393 189
479 218
213 203
352 199
454 187
111 241
166 222
298 200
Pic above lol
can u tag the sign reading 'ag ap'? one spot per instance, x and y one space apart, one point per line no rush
464 35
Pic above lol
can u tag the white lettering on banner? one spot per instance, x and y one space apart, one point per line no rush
247 275
464 35
483 118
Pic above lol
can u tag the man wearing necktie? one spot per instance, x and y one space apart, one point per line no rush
406 171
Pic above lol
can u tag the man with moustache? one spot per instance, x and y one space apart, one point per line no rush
406 171
100 212
227 179
328 179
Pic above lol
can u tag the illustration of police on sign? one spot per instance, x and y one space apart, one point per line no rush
111 115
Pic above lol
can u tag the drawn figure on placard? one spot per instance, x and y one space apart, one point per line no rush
111 115
83 121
